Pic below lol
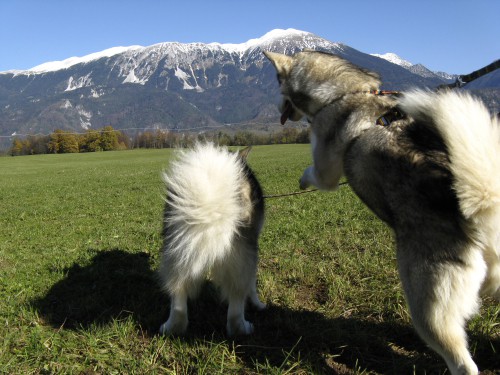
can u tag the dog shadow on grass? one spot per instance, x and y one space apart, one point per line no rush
114 285
117 284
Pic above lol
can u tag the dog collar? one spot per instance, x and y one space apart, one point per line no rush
384 92
388 118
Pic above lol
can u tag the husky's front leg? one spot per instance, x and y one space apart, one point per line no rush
308 178
327 169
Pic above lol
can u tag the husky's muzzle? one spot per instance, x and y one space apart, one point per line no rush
288 111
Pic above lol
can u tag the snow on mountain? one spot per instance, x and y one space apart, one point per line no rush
132 59
170 85
308 40
393 58
417 69
267 38
136 64
65 64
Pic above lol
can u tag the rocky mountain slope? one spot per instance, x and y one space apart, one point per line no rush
169 85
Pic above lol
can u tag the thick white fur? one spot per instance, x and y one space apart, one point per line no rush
472 138
206 206
208 198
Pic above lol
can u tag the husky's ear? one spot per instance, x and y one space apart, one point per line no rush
282 63
243 154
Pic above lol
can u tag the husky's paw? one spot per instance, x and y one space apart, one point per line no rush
307 178
171 327
242 327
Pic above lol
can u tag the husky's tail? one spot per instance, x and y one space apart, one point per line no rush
204 206
472 137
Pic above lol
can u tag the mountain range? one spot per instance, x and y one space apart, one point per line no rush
180 87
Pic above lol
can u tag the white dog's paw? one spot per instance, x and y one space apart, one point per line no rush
496 295
241 327
307 178
259 305
171 327
254 299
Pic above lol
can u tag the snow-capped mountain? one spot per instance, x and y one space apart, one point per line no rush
168 85
418 69
395 59
65 64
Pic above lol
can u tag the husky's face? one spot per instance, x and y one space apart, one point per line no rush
283 65
311 80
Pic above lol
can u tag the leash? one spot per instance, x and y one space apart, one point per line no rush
464 79
296 192
395 114
289 194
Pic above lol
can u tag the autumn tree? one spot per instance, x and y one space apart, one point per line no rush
17 147
62 142
109 139
90 141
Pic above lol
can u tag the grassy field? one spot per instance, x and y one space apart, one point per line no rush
79 246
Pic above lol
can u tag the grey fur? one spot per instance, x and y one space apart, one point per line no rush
408 177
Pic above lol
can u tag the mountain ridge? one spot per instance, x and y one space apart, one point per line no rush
170 85
418 68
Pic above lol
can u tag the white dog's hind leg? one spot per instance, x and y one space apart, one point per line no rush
236 323
254 298
178 319
235 275
441 298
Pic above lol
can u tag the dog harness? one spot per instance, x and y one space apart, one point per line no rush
388 118
393 115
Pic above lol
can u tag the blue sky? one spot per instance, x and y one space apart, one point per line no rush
455 36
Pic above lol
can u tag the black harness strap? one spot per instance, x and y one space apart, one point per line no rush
388 118
395 114
466 78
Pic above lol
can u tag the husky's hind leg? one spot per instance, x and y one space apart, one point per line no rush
441 297
235 276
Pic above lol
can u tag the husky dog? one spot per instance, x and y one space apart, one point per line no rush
213 215
430 170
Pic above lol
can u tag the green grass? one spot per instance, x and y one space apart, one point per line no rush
79 246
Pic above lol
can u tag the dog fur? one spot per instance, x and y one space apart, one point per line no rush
433 176
213 215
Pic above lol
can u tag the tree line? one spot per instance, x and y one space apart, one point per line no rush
64 142
109 139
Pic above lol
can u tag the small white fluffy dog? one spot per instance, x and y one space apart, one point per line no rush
213 215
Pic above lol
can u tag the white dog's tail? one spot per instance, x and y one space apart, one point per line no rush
204 206
472 137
